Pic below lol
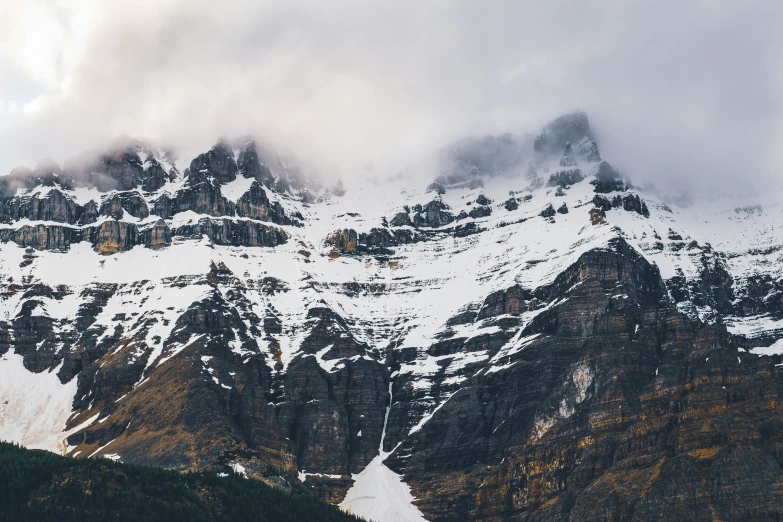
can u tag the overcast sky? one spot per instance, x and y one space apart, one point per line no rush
689 91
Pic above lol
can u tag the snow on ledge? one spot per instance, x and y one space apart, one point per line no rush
775 349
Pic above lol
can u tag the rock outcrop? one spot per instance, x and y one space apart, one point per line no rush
376 241
548 212
155 176
218 163
156 236
89 214
251 166
50 204
121 170
568 137
255 204
118 203
201 194
42 237
616 401
607 179
235 232
112 236
511 204
531 363
565 178
628 202
434 214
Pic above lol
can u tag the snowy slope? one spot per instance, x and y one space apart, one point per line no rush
404 300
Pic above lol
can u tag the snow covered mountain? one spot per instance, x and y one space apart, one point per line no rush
523 336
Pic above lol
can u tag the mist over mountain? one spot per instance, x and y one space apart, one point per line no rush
520 298
423 261
680 94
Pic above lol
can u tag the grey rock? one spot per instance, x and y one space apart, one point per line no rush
436 187
565 178
131 202
255 204
568 159
217 163
251 166
607 179
401 219
480 211
238 232
548 212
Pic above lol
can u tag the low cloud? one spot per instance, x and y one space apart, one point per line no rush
680 94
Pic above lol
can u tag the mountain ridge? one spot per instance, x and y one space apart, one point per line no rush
238 310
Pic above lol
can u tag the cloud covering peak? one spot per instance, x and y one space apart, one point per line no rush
677 93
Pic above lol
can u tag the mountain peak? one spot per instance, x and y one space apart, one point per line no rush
572 130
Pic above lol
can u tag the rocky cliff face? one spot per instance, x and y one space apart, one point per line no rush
132 201
602 406
526 338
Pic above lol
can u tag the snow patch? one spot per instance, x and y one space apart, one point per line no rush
774 349
238 468
378 493
34 407
237 188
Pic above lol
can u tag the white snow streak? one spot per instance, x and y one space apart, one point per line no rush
34 407
378 493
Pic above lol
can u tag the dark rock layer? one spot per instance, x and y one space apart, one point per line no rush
620 409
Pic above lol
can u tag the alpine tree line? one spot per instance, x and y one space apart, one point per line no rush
41 486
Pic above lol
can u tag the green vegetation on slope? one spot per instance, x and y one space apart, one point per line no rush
41 486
